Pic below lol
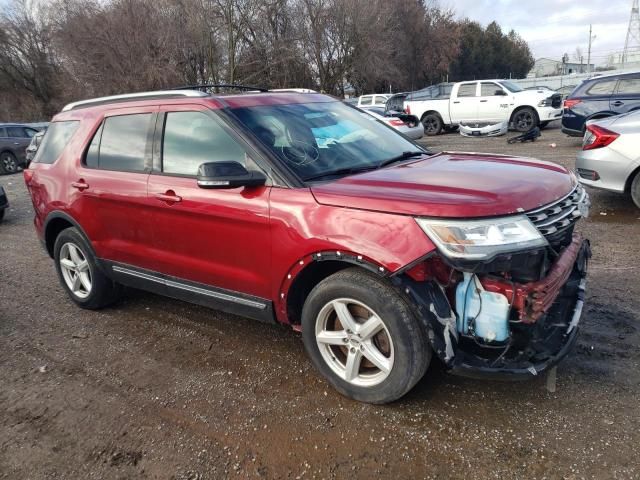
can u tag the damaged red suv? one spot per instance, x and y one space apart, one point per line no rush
299 209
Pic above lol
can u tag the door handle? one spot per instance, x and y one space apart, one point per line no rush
483 101
457 101
618 103
80 185
169 197
16 143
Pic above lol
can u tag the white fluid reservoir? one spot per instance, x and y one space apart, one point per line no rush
487 311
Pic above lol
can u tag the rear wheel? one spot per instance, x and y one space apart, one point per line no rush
635 190
80 274
363 337
8 163
525 119
432 124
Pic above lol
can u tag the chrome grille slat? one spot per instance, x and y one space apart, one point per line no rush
558 215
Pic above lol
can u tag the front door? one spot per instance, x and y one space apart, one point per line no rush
215 237
494 104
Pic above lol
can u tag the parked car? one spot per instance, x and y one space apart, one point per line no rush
14 139
610 158
600 97
4 203
375 100
298 209
33 146
406 124
485 101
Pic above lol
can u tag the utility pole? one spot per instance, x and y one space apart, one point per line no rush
591 37
633 32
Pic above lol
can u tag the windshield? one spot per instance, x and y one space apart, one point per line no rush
512 87
316 139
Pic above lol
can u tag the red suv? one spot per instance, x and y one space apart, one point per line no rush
299 209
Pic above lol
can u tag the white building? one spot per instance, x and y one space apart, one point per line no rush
547 67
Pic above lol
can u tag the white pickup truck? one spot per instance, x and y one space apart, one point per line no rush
447 105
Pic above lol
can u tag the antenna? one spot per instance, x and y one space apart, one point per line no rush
633 33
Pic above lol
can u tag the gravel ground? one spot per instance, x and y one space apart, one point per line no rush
156 388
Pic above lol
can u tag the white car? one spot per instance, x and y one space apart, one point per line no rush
409 126
610 158
485 101
374 100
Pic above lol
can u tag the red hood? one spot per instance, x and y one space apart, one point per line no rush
452 185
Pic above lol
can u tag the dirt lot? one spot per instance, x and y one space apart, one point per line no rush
156 388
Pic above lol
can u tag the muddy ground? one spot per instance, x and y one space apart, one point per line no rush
156 388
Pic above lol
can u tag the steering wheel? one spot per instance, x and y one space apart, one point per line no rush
300 153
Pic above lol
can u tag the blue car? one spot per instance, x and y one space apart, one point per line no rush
600 97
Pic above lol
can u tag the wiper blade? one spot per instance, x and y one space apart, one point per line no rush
399 158
341 171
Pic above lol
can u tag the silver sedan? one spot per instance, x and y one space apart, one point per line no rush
610 157
408 125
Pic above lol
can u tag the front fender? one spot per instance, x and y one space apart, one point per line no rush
301 228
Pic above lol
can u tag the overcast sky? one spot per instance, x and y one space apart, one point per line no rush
553 27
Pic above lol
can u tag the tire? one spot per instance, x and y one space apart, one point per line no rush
432 124
635 189
79 273
525 119
389 360
8 163
1 214
543 125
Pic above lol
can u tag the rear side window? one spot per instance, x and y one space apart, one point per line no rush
16 132
467 90
629 85
120 143
3 132
602 88
57 136
366 101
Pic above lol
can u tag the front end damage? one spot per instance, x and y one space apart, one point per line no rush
537 294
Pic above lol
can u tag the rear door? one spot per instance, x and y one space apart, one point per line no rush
493 104
108 187
627 95
464 105
220 238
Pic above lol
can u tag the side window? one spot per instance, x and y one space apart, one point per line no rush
629 85
57 136
16 132
604 87
3 132
467 90
366 101
380 100
489 89
122 143
193 138
91 160
30 132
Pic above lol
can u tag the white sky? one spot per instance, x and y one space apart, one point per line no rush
553 27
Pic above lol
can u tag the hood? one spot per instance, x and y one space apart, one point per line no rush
533 96
454 185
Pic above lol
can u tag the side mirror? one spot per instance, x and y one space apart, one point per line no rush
228 175
501 93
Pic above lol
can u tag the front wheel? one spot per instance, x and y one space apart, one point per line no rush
432 124
525 119
363 337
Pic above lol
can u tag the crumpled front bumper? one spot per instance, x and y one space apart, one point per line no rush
549 313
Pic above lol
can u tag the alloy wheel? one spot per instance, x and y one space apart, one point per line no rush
9 164
75 270
354 342
524 120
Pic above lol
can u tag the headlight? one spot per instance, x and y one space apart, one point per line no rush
482 239
547 102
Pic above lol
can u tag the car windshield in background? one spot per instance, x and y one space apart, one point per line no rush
321 140
512 87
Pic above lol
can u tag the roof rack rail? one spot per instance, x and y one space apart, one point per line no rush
133 97
206 86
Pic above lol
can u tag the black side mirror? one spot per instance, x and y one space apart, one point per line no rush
228 175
